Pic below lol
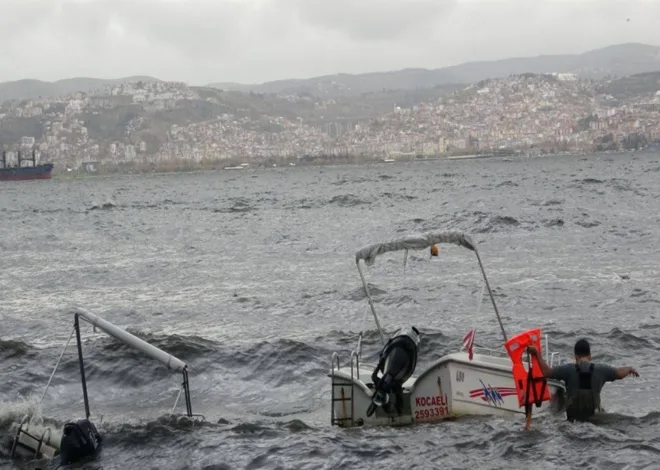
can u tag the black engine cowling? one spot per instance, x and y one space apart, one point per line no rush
397 362
79 440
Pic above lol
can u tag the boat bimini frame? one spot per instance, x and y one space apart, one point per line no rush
36 441
369 253
170 361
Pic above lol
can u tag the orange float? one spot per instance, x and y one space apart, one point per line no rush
531 386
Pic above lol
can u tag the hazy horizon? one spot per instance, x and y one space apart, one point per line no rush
255 41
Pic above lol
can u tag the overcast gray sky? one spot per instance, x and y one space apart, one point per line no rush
250 41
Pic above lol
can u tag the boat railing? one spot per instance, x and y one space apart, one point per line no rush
356 354
358 349
335 360
37 439
489 351
551 362
355 362
552 358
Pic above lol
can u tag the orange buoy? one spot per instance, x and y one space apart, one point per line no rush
434 250
531 386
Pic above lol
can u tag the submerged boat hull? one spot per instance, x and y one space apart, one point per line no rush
450 388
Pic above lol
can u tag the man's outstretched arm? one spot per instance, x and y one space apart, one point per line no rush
623 372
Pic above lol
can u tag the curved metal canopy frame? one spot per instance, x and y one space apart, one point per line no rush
369 253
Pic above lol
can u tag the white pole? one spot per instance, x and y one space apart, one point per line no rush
170 361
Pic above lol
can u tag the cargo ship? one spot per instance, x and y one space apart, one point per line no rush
21 173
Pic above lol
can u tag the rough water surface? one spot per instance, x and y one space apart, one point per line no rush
249 276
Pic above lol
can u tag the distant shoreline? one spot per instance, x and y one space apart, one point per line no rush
232 166
235 166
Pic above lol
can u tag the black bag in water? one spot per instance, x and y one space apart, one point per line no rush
79 440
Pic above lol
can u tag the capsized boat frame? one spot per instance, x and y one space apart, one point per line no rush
36 441
454 385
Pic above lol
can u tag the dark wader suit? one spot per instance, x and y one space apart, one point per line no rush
583 381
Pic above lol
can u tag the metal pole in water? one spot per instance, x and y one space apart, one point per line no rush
82 366
490 293
373 310
186 388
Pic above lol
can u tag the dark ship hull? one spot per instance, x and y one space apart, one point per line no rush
21 172
39 172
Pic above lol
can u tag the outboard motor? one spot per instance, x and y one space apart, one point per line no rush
79 440
397 363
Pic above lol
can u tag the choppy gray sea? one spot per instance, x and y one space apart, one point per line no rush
249 276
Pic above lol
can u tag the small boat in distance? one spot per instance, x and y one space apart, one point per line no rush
23 173
471 157
461 383
242 166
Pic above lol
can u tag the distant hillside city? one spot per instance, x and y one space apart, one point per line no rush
145 124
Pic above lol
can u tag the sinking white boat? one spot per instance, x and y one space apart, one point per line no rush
474 382
80 439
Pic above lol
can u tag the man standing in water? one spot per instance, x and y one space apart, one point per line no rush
583 379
